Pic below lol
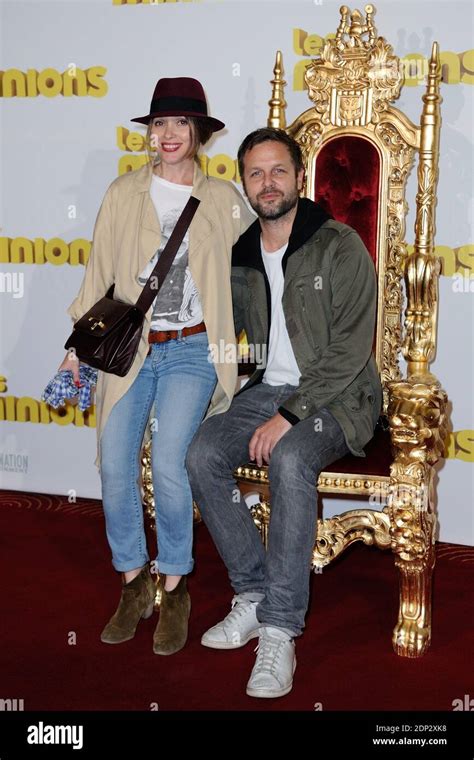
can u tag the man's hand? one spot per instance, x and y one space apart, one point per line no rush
266 438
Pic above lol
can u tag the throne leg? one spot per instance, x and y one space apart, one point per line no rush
412 634
412 530
417 415
261 516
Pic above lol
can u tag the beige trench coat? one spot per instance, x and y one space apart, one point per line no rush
126 236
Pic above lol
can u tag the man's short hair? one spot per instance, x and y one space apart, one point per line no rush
275 135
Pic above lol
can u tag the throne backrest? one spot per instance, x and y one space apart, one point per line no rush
358 150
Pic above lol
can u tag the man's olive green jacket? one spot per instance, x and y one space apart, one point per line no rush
329 303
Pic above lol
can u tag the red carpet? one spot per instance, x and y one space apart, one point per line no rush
60 589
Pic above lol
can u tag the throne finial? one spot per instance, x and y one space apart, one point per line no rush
434 73
277 103
355 28
422 267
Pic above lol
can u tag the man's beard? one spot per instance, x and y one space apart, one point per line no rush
278 209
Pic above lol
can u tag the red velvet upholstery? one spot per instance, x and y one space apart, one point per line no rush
347 185
377 461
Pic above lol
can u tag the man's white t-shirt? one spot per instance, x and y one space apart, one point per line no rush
281 363
177 305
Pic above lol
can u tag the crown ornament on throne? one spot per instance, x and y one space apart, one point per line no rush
357 74
355 29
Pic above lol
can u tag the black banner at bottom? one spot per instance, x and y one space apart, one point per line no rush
127 734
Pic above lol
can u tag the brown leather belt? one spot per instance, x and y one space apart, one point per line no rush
161 336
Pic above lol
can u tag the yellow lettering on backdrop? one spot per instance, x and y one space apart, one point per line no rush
465 445
129 163
130 141
13 84
56 251
26 409
135 142
450 67
465 257
50 83
75 85
460 445
98 84
468 67
21 250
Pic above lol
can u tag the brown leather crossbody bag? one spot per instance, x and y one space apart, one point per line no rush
107 336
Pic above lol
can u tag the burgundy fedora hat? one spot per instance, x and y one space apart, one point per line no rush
180 96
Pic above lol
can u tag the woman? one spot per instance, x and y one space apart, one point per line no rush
173 380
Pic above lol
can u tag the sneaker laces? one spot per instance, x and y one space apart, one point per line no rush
239 608
269 650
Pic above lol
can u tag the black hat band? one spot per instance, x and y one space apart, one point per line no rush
178 104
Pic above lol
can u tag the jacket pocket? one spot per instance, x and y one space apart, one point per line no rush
313 299
359 398
358 404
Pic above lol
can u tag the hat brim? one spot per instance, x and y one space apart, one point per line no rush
214 124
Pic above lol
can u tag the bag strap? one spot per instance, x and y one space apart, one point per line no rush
166 258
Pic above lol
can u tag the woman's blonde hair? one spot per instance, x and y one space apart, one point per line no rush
200 134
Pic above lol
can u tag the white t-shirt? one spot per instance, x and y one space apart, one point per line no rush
281 363
177 305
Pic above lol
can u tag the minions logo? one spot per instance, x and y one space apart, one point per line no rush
50 83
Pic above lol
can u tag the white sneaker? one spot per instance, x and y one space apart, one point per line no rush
272 674
237 628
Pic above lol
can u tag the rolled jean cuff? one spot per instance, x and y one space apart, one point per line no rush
290 631
125 567
251 596
285 630
168 569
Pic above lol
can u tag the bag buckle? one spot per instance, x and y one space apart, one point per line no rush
97 322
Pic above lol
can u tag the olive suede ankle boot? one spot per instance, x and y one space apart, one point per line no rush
172 630
136 602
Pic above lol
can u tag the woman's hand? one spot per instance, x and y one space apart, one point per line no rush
71 362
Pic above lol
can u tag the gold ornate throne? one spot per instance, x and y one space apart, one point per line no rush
358 150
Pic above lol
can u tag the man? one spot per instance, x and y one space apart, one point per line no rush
304 289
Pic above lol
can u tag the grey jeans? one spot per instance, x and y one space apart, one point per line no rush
281 574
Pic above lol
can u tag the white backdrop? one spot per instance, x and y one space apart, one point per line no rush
60 151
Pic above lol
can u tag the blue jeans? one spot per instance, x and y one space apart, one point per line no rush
179 378
281 575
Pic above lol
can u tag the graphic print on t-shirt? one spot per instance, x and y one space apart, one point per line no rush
178 300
